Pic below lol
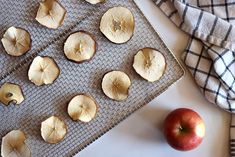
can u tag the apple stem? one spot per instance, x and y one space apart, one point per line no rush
181 128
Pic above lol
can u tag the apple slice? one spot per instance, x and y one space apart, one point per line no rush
43 70
51 14
115 85
95 1
53 130
82 107
149 64
11 93
79 47
13 145
16 41
117 24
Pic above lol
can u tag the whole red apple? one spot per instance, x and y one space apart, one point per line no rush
184 129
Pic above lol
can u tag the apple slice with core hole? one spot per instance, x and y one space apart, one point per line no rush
11 93
116 84
117 24
13 145
149 64
43 70
53 130
51 14
83 108
16 41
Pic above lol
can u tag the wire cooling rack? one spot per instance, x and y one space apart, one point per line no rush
42 102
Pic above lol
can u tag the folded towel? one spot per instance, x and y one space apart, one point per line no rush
209 55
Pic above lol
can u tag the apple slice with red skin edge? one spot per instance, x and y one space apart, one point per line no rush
115 85
95 1
43 70
80 46
53 130
184 129
82 107
118 24
150 64
16 41
11 93
51 14
13 145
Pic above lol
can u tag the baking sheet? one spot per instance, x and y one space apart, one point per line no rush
42 102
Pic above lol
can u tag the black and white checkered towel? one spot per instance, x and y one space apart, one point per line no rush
210 55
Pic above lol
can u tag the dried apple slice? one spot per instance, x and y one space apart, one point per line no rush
11 93
53 130
149 64
13 145
51 14
117 24
16 41
83 108
115 85
80 46
43 70
95 1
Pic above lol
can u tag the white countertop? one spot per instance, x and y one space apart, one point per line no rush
141 134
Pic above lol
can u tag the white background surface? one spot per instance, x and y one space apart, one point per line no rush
141 134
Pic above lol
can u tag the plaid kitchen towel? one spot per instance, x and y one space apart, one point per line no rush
210 53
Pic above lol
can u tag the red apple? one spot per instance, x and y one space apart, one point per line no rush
184 129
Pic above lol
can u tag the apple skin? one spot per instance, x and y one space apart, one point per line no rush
184 129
